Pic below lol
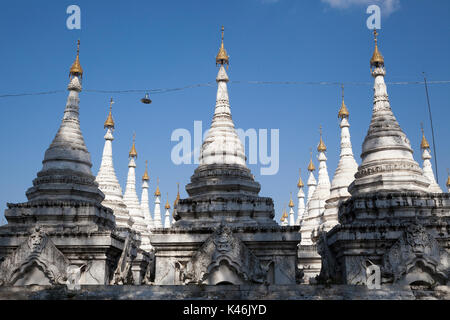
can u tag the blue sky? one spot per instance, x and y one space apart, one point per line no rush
169 44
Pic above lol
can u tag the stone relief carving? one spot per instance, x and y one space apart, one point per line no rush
35 261
122 274
223 246
416 256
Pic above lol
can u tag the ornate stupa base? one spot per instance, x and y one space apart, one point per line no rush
403 235
225 233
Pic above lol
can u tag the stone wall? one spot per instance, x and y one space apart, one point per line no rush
224 292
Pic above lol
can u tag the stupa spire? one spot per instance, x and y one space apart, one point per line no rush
167 215
175 203
107 179
222 145
312 183
131 199
67 160
344 174
76 70
427 168
322 191
109 123
222 56
386 146
284 217
377 59
291 212
448 181
157 219
301 200
316 204
144 199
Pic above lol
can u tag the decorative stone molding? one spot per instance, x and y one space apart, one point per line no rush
37 252
223 246
416 257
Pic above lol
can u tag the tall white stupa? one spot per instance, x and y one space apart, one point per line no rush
167 213
107 179
291 212
387 157
316 204
301 200
312 182
144 199
157 219
344 174
427 168
131 199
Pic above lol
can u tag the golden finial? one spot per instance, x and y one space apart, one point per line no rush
133 153
311 166
300 182
178 195
343 112
222 57
109 123
377 59
283 216
157 192
424 144
291 203
167 206
448 178
76 69
145 176
321 147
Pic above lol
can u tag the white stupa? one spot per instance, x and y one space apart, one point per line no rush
157 219
167 214
144 199
301 201
316 204
427 169
131 200
344 174
107 179
387 158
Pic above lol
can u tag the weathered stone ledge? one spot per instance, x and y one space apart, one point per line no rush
223 292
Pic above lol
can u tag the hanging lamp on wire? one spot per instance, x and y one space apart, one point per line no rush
146 99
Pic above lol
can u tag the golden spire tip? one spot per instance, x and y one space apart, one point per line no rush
321 147
300 181
424 143
377 59
222 57
448 178
109 123
145 177
76 69
133 153
311 166
343 111
291 203
157 192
